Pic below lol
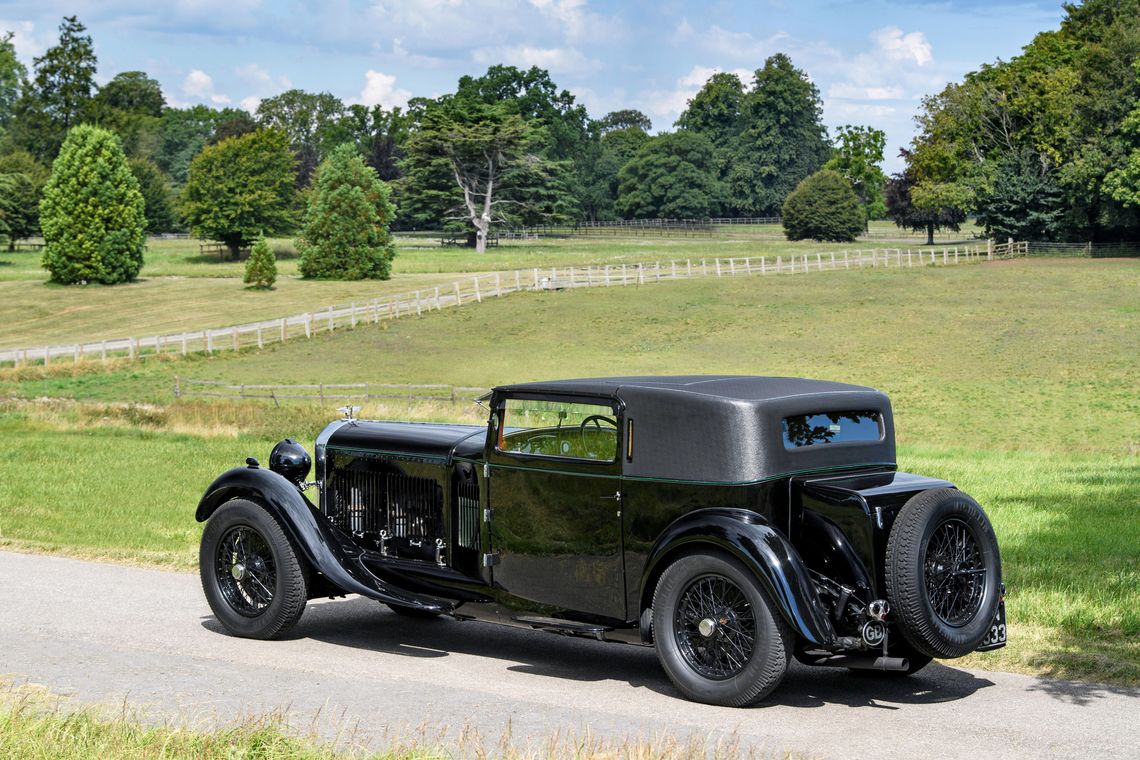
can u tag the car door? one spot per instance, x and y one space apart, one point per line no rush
555 507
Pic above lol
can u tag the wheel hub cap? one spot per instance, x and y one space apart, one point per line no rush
707 627
238 571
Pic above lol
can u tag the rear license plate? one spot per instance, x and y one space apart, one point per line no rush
996 637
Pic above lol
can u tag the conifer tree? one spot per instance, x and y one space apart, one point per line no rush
261 266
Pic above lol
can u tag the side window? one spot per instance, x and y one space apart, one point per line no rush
559 429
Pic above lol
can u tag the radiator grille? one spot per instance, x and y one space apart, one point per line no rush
369 502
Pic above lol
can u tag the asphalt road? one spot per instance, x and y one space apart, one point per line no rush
104 634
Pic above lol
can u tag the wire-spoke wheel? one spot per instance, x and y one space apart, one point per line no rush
716 634
943 573
955 573
252 577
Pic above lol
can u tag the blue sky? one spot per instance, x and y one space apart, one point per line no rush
872 61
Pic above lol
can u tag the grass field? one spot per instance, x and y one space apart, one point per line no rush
1017 380
180 289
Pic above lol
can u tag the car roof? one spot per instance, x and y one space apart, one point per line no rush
727 428
729 387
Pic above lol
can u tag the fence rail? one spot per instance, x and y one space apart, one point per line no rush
185 388
492 285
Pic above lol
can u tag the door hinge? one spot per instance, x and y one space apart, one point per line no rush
490 560
488 514
486 469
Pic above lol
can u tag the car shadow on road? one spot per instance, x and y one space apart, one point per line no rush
365 625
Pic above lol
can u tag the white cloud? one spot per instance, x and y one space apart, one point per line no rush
555 60
199 84
903 48
250 103
27 43
855 92
380 89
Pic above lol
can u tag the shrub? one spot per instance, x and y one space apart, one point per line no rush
823 207
346 235
92 212
261 267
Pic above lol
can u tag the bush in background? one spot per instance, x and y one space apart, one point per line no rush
261 267
823 207
346 235
92 214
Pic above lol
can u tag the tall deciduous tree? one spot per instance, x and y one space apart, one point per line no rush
92 212
941 210
133 92
312 121
627 118
822 207
782 140
24 179
12 74
715 111
346 233
240 188
671 176
59 93
155 190
858 156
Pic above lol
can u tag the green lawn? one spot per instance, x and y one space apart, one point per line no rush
180 289
1019 381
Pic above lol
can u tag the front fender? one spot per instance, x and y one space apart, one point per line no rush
325 547
752 540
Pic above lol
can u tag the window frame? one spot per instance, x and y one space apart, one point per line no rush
498 417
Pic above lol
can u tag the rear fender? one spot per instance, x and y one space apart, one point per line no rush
327 549
749 538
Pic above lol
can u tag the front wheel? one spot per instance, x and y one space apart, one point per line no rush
716 634
252 577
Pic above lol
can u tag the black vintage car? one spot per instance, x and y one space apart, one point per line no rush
730 522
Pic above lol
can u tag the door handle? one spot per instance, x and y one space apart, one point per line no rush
615 497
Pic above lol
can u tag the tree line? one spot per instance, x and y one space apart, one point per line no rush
1044 146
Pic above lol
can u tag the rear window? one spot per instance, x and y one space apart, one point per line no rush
832 427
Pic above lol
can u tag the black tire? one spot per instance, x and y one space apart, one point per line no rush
412 612
254 580
741 653
943 573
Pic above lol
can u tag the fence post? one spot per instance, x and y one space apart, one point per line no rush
352 313
624 275
103 348
763 265
518 283
732 267
437 306
779 264
283 330
309 325
458 299
805 264
536 278
606 275
259 343
640 274
945 260
989 249
234 332
478 297
819 261
718 267
419 309
688 267
330 319
498 288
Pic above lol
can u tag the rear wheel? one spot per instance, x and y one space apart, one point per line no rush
717 636
943 573
252 577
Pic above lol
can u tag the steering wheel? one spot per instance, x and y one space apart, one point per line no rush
597 419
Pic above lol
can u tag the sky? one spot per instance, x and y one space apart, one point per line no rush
872 61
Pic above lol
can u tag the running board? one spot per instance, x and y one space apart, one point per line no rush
568 627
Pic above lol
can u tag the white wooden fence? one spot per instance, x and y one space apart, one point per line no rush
493 285
323 392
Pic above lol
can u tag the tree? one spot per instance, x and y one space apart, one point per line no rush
12 73
92 214
240 188
480 164
782 139
940 209
379 136
822 207
1024 203
132 92
858 156
715 111
345 236
670 177
155 190
601 169
628 118
1123 182
183 132
260 267
312 121
24 179
58 96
